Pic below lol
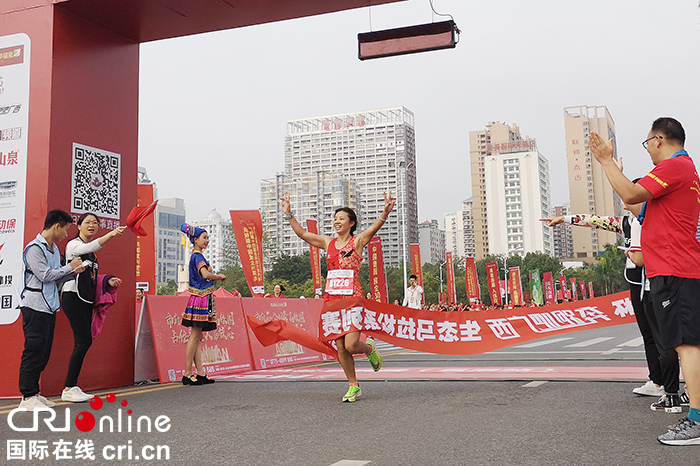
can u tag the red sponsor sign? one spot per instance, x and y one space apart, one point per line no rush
247 227
515 286
416 266
377 276
225 350
574 294
493 283
469 332
301 313
472 279
451 291
12 55
312 226
590 290
548 286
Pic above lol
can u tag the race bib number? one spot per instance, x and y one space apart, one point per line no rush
340 282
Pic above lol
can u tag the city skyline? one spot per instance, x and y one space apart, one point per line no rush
236 85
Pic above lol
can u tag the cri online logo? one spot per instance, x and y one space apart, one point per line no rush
85 421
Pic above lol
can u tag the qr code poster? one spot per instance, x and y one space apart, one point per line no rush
96 181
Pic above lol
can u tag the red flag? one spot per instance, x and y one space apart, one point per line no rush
247 228
451 291
515 286
377 276
574 294
138 215
590 290
416 263
312 226
549 294
582 285
492 282
472 279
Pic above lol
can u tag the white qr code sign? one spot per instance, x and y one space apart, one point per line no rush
96 181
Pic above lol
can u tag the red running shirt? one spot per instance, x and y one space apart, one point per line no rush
345 258
668 233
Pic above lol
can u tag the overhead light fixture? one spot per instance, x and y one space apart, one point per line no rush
411 39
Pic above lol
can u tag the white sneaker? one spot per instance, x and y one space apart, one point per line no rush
649 389
32 403
46 401
75 395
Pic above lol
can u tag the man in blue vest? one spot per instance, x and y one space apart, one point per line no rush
39 303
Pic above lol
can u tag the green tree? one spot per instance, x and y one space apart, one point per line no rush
169 288
609 269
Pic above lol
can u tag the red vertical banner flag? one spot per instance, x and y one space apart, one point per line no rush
492 283
377 277
416 263
574 293
247 228
549 293
582 285
146 245
564 291
451 292
312 227
471 279
590 290
515 286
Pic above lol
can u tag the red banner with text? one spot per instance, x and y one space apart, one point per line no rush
146 245
548 285
451 291
582 285
493 283
416 266
247 228
515 286
590 290
377 276
312 226
574 294
471 279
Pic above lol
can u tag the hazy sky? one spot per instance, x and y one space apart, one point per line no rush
214 107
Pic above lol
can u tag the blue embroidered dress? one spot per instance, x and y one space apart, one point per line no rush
200 311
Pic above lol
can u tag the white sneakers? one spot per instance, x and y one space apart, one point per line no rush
75 395
649 389
35 402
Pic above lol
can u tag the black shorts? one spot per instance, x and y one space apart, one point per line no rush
677 308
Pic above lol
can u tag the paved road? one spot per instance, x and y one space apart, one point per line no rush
524 420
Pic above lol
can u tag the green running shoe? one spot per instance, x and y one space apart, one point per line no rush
375 359
352 394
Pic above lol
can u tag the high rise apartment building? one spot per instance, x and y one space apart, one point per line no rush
561 235
312 199
459 231
169 216
376 151
432 242
497 138
221 239
589 190
517 197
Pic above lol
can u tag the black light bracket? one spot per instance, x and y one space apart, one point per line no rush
405 40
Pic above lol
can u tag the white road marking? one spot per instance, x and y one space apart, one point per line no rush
594 341
535 383
350 463
635 342
542 343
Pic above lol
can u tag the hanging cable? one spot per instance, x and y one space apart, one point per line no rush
447 15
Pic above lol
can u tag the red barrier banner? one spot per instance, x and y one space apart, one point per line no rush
416 265
247 228
492 282
590 290
312 227
469 332
146 245
515 286
302 314
549 293
471 279
451 291
582 285
377 276
225 350
574 294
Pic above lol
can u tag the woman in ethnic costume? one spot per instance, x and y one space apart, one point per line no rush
200 314
344 257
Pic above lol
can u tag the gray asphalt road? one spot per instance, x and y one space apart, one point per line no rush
399 422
